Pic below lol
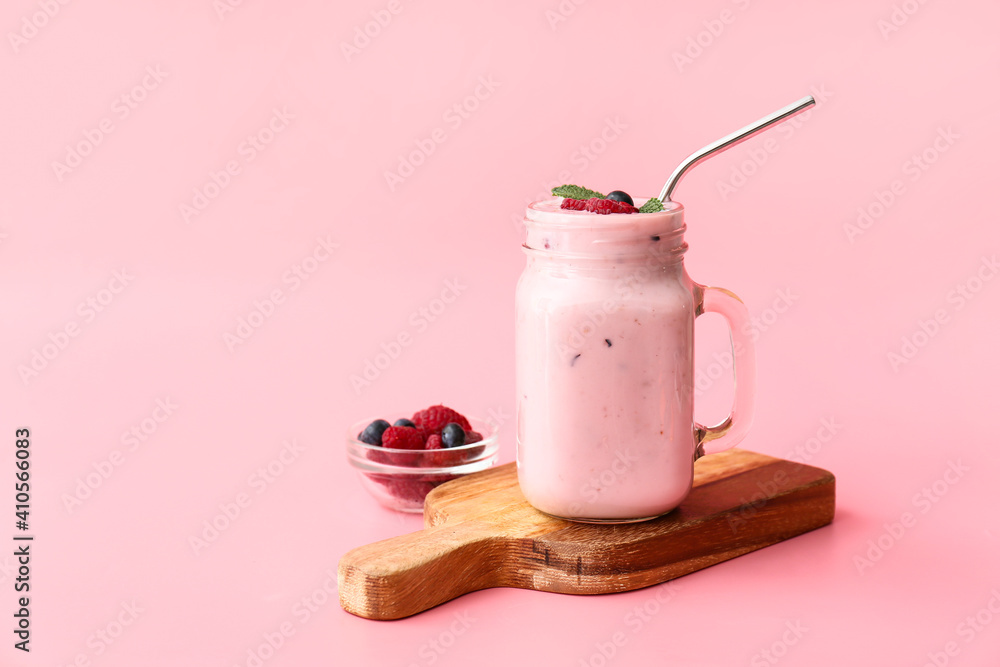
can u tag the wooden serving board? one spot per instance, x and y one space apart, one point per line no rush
480 532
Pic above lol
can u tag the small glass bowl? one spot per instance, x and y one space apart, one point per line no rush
400 479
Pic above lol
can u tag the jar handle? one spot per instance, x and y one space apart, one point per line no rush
714 439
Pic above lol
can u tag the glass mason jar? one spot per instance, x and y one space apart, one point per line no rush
604 340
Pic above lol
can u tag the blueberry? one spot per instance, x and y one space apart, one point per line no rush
404 422
452 435
372 435
618 195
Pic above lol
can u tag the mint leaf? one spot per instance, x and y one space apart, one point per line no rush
652 206
575 192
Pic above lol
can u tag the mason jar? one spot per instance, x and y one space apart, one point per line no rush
604 340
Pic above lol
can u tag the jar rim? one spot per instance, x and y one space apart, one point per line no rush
552 231
547 211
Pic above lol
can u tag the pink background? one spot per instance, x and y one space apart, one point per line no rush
592 93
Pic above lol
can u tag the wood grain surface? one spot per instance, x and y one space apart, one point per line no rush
480 532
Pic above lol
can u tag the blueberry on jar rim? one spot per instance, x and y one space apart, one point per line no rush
618 195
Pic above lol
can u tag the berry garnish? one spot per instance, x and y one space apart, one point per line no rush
452 435
404 422
605 206
434 418
578 198
473 436
372 435
618 195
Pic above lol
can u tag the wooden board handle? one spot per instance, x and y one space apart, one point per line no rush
405 575
482 533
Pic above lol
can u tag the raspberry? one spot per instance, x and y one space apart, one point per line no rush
402 437
380 478
395 438
442 457
573 204
473 453
605 206
396 458
378 456
439 479
446 458
436 417
410 490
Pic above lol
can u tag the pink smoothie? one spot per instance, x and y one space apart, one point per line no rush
604 348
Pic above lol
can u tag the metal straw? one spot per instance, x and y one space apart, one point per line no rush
728 141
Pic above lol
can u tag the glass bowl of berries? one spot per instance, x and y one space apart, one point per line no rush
399 460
